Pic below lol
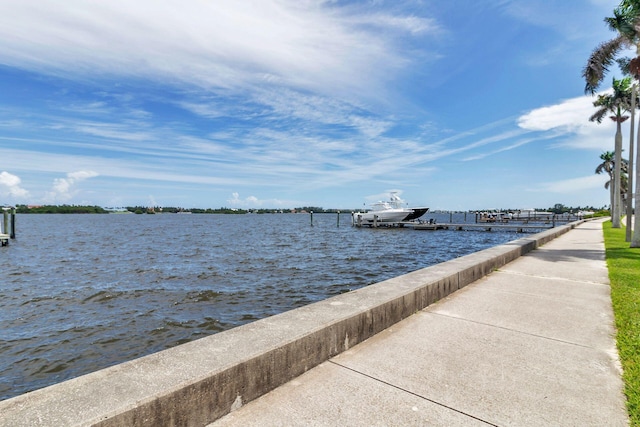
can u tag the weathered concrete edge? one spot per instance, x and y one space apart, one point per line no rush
198 382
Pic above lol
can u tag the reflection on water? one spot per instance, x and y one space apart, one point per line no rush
83 292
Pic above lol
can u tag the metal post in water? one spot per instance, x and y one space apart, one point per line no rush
311 212
13 223
450 217
338 219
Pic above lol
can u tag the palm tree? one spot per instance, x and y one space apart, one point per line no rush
626 22
624 186
607 166
617 103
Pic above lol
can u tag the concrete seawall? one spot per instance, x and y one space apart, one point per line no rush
198 382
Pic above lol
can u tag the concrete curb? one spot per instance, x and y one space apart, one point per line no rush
196 383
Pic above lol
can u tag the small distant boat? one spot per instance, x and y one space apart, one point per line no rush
532 214
391 211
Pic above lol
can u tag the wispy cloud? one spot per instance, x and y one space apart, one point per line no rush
568 186
262 98
408 23
309 45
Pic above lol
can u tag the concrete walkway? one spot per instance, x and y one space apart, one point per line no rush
532 344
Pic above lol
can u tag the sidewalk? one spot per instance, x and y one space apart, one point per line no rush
532 344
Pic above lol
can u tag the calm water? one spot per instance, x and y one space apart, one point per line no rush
83 292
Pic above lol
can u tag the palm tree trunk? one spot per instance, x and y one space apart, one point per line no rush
615 214
611 197
635 239
630 179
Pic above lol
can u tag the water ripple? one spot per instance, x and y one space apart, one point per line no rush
83 292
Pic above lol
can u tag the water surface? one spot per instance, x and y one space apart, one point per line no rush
83 292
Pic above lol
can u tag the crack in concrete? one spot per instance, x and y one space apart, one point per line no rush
435 402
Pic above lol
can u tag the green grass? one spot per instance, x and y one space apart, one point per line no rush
624 274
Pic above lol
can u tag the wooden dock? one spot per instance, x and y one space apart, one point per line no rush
479 226
519 224
519 227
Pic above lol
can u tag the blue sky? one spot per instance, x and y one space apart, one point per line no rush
462 104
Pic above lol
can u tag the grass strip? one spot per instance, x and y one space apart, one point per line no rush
623 263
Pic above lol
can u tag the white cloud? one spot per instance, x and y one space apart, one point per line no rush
570 115
226 44
570 119
12 185
254 202
62 189
236 202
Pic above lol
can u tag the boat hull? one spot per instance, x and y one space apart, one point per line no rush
389 215
417 213
391 211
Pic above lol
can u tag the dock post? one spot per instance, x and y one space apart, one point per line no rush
375 221
338 225
311 212
450 217
13 223
5 227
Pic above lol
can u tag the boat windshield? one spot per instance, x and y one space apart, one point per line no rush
395 202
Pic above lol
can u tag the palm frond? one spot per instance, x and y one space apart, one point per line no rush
599 115
600 61
628 14
623 21
624 65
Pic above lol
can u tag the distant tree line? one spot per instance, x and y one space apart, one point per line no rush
225 210
171 209
558 208
60 209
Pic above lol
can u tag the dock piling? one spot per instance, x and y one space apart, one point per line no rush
4 232
13 223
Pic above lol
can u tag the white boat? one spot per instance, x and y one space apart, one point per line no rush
532 214
391 211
